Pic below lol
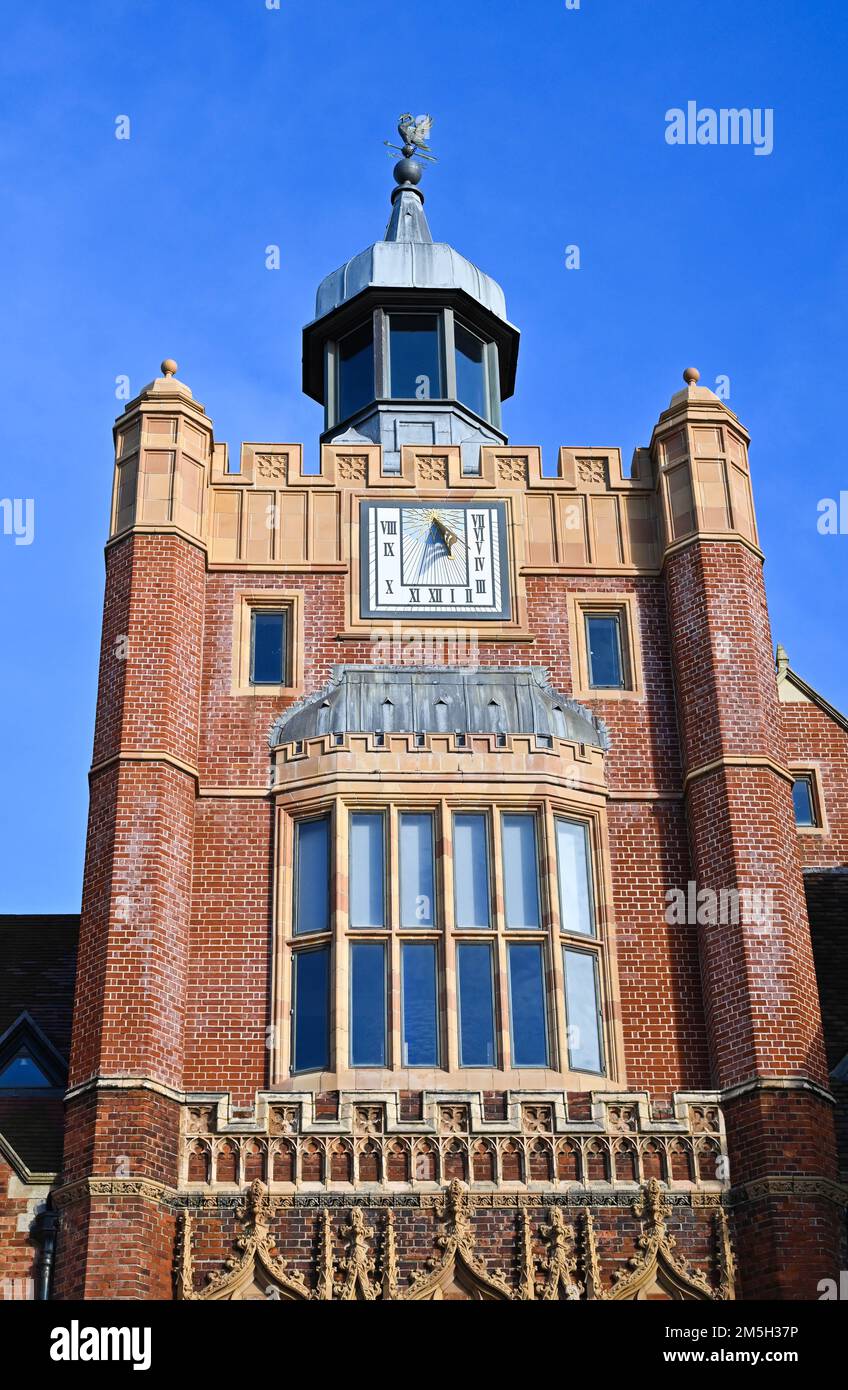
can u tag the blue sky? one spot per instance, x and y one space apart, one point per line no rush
252 126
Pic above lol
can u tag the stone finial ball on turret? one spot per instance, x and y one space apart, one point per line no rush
691 376
169 367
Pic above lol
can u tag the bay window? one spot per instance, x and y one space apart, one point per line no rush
463 937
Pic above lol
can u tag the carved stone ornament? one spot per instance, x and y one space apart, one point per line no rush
656 1270
511 470
457 1275
352 467
258 1272
432 470
592 471
272 465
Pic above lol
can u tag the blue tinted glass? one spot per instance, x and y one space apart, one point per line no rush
575 902
603 640
420 1016
802 799
367 874
311 992
312 875
471 870
367 1006
471 371
521 874
415 357
476 1006
417 890
23 1071
585 1051
267 666
356 370
527 1006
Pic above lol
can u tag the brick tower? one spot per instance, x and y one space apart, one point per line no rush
407 775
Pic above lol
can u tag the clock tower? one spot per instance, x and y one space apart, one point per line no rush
407 774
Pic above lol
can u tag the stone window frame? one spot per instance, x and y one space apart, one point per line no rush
546 806
812 771
250 601
625 608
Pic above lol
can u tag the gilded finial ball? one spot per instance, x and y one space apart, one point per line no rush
169 367
408 171
691 376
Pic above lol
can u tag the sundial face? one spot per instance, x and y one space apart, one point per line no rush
434 560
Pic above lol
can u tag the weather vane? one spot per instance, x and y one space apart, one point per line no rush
414 131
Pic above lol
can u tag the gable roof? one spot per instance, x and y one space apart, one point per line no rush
789 681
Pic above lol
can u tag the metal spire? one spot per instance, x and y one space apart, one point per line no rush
408 221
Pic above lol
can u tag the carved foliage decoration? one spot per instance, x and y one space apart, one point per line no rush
257 1272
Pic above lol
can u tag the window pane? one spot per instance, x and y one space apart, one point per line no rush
521 871
476 1006
575 901
367 874
367 1006
585 1045
23 1071
471 870
417 889
356 370
603 638
268 644
420 1017
527 1006
471 371
802 798
415 356
311 997
312 875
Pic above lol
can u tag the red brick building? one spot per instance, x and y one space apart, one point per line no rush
444 930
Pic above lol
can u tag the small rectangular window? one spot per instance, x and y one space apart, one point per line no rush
472 897
521 870
527 1006
603 643
416 357
419 1004
575 877
804 801
267 648
476 1005
311 1010
367 871
367 1005
582 1011
417 886
312 875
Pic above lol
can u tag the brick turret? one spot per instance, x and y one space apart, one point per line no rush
761 1003
130 1000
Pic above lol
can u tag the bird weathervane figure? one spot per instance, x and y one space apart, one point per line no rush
414 131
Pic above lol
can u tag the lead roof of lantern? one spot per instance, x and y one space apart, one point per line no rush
408 258
419 699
